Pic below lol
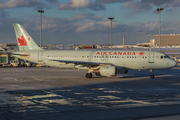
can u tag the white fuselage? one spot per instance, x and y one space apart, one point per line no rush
141 60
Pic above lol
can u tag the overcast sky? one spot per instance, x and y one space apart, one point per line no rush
86 21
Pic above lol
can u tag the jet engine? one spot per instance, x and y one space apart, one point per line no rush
108 71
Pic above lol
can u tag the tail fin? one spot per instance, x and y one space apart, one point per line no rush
25 41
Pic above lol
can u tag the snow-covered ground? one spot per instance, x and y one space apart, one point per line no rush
53 94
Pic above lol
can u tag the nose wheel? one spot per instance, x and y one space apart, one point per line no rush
152 75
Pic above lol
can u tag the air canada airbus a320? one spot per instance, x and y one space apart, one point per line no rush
101 62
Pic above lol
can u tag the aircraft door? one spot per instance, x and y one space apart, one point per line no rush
151 57
40 56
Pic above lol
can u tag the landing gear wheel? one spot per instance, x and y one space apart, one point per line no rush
151 76
88 75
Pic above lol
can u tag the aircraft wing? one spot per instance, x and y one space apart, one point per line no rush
84 64
14 53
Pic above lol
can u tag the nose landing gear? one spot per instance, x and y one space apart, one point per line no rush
152 75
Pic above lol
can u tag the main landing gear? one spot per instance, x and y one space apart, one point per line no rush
152 75
89 75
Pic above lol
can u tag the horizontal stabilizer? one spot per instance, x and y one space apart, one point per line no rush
23 54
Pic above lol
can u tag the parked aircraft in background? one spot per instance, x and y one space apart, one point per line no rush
101 62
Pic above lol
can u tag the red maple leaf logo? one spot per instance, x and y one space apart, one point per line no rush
141 53
22 41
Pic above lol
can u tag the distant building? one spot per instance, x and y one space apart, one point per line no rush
152 42
169 39
5 56
9 46
85 47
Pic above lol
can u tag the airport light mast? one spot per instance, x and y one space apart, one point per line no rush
123 41
111 30
41 11
149 42
159 10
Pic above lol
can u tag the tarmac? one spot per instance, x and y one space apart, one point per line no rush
42 93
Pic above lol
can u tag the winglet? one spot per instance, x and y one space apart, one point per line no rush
24 40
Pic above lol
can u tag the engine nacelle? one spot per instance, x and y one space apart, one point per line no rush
122 70
108 71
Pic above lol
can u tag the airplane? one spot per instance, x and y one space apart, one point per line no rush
101 62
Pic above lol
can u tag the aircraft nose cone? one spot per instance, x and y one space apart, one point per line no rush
173 63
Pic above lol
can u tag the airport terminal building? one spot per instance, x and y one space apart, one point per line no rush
168 39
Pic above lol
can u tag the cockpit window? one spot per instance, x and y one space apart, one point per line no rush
164 57
167 56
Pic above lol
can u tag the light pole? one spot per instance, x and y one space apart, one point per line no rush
123 41
111 30
159 10
147 38
41 11
149 42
